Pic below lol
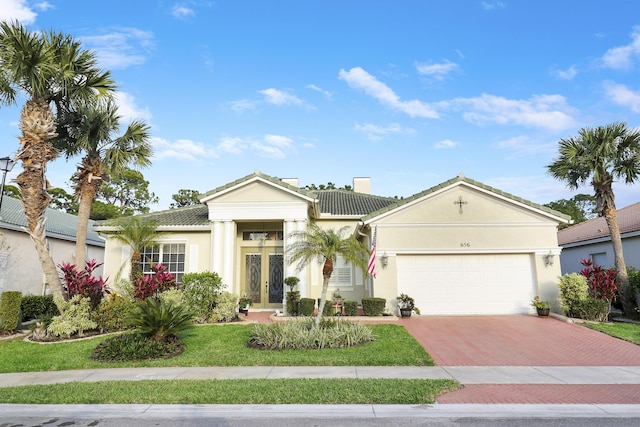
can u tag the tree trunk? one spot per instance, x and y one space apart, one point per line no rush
87 190
38 127
626 292
327 270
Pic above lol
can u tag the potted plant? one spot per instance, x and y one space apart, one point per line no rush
406 304
542 307
336 302
244 303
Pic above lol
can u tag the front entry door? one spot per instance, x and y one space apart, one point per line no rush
263 276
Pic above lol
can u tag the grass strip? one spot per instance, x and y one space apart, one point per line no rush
277 391
626 331
213 345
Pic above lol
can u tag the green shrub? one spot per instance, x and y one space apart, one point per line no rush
74 316
10 309
134 346
303 334
351 308
307 306
200 291
373 306
160 320
112 313
327 307
36 306
594 309
293 302
634 281
225 310
573 290
175 296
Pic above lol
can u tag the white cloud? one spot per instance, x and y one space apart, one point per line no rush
567 74
182 12
621 57
121 48
278 140
232 145
273 146
622 95
182 149
538 188
12 10
357 78
241 105
43 6
278 97
438 71
549 112
326 93
128 109
375 132
446 144
524 146
493 5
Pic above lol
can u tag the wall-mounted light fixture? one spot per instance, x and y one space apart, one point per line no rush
384 259
548 259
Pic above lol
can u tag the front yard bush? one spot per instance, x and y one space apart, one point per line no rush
634 281
160 320
112 313
10 310
131 347
593 309
351 308
307 306
36 306
373 306
303 334
200 292
293 303
573 290
225 310
74 316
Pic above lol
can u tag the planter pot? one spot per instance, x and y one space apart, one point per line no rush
405 312
244 311
542 311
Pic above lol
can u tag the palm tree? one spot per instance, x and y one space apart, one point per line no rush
89 130
603 155
48 68
137 233
315 243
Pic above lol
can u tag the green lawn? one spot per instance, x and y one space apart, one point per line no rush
214 345
626 331
278 391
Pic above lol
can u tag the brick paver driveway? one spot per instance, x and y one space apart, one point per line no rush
517 341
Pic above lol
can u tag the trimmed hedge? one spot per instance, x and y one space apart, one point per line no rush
373 306
306 306
35 306
10 310
351 308
293 303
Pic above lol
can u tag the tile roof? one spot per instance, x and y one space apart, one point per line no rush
596 228
258 174
343 202
462 178
58 224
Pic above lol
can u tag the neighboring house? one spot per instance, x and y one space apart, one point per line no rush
591 239
458 248
20 268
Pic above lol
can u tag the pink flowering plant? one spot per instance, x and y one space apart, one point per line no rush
151 285
83 283
601 281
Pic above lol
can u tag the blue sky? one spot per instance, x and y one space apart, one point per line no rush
408 92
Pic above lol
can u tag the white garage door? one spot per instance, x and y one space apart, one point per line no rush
467 284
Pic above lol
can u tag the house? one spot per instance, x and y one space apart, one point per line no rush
20 268
591 239
458 248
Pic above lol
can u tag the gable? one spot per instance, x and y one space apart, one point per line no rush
257 191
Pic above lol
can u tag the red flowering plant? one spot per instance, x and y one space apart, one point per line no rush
155 283
601 281
83 283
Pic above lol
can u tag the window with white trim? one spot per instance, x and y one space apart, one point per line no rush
342 273
172 255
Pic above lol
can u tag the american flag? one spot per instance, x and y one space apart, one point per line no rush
371 267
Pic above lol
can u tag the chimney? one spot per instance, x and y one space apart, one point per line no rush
362 185
290 181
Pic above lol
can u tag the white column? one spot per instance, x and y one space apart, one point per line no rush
303 286
229 246
289 226
217 254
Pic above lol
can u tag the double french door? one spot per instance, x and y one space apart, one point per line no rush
263 276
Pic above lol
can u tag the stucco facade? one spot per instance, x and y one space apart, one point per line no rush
241 231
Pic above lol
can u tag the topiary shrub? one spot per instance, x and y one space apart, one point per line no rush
200 291
112 313
373 306
351 308
36 306
293 303
10 310
74 317
225 310
307 305
573 290
135 346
